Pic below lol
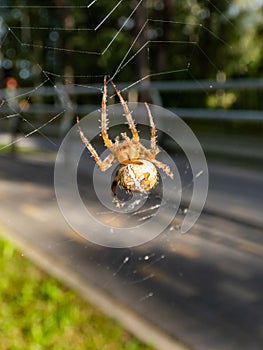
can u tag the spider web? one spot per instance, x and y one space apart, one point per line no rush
18 40
52 104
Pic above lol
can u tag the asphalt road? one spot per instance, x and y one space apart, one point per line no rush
204 288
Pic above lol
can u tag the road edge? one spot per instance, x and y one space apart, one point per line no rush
136 325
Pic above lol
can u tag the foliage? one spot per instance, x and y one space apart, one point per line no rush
37 312
222 30
204 39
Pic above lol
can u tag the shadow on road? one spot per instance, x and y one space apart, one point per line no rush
204 288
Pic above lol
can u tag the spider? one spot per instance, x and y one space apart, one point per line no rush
137 164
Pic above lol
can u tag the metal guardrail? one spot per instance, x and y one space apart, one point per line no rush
161 86
61 104
195 113
64 93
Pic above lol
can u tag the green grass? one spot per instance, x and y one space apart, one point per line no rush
9 148
37 312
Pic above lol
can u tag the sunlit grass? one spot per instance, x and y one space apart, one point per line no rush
4 148
37 312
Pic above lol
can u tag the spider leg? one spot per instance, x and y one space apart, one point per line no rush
154 149
115 183
104 121
149 155
125 137
103 165
127 113
164 167
114 190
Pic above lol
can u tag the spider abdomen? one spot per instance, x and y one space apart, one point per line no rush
140 175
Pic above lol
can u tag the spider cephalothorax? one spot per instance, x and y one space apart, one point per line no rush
137 164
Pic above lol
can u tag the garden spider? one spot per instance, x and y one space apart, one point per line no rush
137 164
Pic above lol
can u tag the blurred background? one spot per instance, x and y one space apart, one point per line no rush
200 59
